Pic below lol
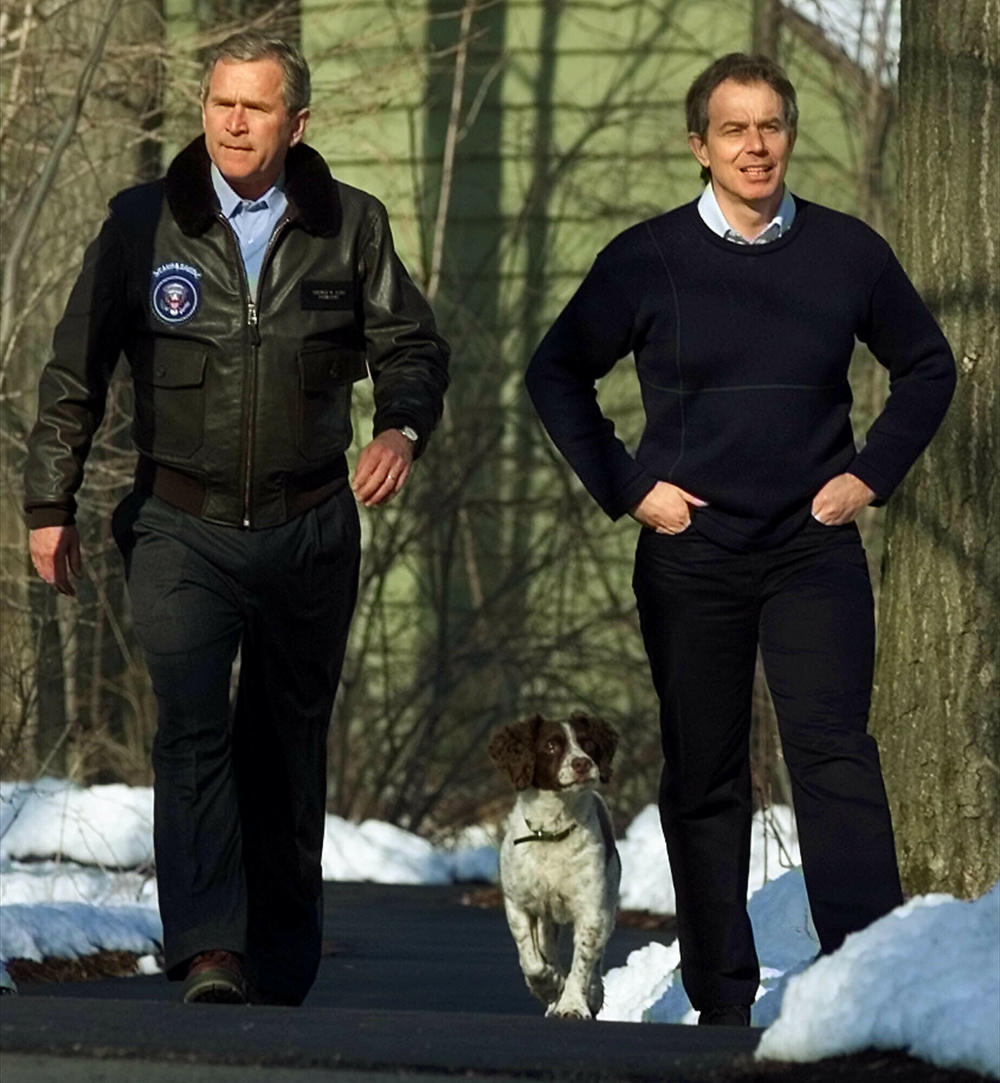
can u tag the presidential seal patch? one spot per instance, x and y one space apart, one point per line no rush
175 294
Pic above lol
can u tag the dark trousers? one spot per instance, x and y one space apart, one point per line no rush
240 795
703 611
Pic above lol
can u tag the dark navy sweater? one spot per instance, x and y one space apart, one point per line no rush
742 354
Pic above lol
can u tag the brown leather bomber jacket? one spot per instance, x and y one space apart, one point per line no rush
242 404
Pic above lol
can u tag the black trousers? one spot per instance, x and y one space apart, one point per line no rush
240 795
703 611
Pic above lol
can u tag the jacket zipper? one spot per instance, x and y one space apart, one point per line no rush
253 313
251 406
253 327
250 397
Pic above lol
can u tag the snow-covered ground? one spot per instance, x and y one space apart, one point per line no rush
76 878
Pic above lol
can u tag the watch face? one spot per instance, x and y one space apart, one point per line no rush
410 433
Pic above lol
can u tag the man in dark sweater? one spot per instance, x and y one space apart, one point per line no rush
741 310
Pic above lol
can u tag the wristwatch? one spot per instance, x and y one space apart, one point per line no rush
410 433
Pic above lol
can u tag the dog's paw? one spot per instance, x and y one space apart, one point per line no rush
555 1013
569 1007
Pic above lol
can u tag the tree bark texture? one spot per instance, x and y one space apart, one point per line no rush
936 703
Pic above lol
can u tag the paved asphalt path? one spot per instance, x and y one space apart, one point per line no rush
414 986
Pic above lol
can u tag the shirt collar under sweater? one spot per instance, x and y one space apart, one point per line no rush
712 216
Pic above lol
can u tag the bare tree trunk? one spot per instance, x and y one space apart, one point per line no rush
765 27
463 131
935 711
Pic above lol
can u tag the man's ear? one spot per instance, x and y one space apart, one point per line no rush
299 127
697 145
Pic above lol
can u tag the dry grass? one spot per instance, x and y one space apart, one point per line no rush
102 964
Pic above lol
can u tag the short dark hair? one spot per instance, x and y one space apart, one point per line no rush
741 68
253 45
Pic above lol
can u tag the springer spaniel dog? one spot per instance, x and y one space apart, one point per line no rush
558 862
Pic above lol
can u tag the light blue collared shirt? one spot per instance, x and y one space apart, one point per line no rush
712 216
253 220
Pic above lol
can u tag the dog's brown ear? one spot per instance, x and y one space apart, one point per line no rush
600 736
512 749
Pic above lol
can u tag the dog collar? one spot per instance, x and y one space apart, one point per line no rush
538 835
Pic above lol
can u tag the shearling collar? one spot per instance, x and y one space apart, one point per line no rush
313 199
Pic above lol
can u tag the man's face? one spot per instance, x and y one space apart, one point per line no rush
248 130
747 145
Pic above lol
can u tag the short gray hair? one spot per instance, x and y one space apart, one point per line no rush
252 45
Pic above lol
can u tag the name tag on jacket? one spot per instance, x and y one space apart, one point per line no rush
319 294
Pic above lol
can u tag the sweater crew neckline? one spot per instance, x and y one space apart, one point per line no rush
752 251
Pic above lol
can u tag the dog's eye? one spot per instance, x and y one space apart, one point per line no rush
588 746
553 746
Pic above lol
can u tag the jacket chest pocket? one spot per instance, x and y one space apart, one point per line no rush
169 421
326 374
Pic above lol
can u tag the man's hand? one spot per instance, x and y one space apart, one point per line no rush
55 552
383 467
666 508
840 500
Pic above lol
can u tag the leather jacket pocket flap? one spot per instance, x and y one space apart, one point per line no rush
326 366
173 366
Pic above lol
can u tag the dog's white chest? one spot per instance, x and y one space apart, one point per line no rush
544 880
545 874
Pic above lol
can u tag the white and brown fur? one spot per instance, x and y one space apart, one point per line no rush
549 878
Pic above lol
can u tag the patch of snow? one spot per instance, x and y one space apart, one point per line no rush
73 930
108 826
630 990
925 979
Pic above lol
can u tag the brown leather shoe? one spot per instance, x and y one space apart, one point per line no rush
215 977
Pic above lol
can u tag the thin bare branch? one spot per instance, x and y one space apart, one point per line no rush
46 178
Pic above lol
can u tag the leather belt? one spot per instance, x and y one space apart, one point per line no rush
302 491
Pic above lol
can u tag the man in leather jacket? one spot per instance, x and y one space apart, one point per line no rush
248 290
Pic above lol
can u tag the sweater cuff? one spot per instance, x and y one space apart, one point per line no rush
631 495
875 481
48 515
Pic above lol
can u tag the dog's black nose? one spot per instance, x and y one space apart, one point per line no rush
582 765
